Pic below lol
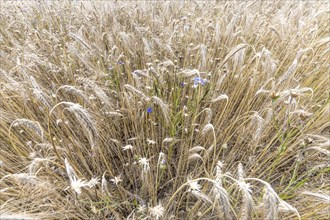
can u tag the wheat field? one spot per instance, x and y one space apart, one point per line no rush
164 110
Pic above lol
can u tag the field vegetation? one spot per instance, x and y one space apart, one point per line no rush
164 110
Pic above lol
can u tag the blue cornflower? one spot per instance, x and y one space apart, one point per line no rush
199 80
182 84
149 109
121 62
